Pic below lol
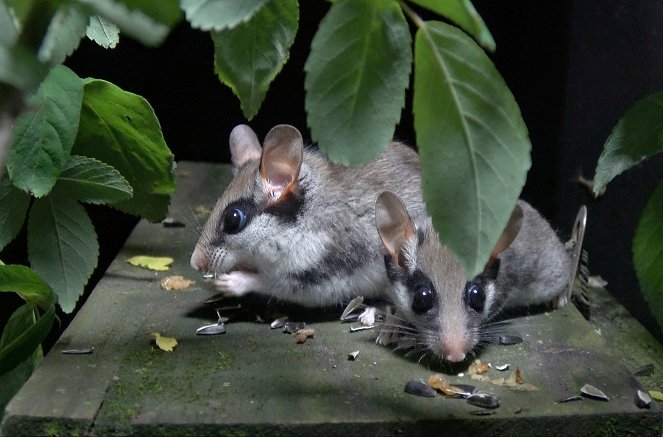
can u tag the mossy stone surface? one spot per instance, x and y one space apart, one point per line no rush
254 379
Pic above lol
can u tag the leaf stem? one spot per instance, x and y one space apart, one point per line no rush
416 19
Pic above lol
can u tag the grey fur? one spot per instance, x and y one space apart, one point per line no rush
321 248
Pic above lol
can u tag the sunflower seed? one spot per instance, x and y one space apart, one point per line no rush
278 323
170 222
417 387
353 305
642 399
292 327
592 392
215 329
81 351
569 399
484 400
645 370
508 340
353 355
503 367
482 412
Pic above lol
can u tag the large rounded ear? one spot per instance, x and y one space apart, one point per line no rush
244 145
508 235
395 226
281 160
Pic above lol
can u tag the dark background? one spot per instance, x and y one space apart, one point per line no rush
573 67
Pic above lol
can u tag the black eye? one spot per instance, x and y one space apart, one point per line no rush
475 297
423 300
234 221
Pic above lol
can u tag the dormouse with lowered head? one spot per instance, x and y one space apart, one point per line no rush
296 227
443 310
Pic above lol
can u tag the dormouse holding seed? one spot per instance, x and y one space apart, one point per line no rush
294 226
443 310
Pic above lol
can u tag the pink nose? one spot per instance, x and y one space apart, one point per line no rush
453 350
199 261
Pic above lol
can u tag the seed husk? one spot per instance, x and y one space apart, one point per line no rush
215 329
569 399
353 355
81 351
303 334
484 400
589 391
642 399
645 370
170 222
503 367
482 412
292 327
417 387
508 340
352 306
278 323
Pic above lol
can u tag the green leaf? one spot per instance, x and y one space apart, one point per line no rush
65 31
248 57
92 181
8 26
12 214
146 20
473 144
356 76
462 13
12 381
648 253
44 137
20 68
220 14
28 284
62 246
638 135
103 32
22 335
120 129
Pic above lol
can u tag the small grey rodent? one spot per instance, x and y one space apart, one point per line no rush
448 313
293 226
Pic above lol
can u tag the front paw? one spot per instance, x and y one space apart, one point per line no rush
367 317
237 283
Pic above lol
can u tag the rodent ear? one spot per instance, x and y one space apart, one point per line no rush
281 160
394 225
244 145
508 235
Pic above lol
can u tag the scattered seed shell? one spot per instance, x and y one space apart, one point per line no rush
569 399
519 376
508 340
278 323
303 334
482 412
645 370
592 392
503 367
360 328
353 355
352 306
417 387
215 329
467 390
176 282
81 351
292 327
484 400
642 399
170 222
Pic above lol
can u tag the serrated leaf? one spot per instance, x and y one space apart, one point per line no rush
62 246
44 137
638 135
158 263
103 32
28 284
473 144
648 253
219 14
26 336
356 76
248 57
92 181
12 214
65 31
462 13
147 21
120 129
166 344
